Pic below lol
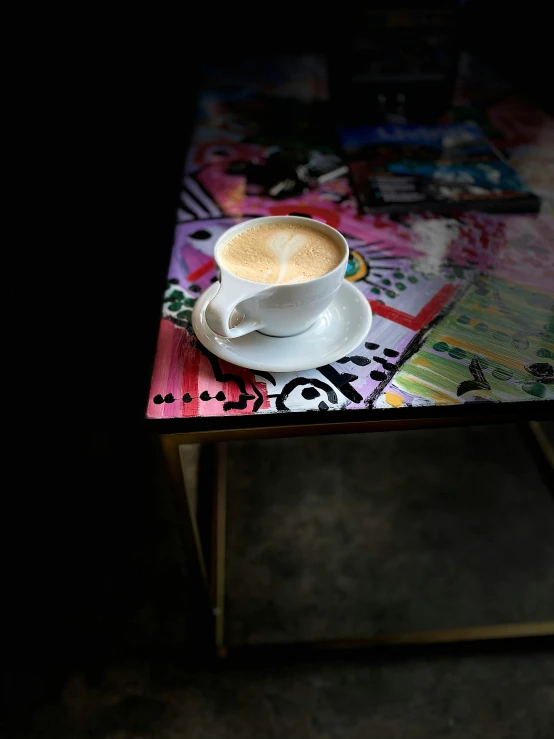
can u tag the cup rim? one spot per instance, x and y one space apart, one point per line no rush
301 220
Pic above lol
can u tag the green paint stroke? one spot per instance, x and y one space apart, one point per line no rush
506 335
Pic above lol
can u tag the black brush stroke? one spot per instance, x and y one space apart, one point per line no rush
266 375
240 404
342 382
377 375
259 400
479 381
186 209
205 212
290 386
385 363
356 359
223 214
414 346
220 376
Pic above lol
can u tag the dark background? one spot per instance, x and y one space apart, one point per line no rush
85 528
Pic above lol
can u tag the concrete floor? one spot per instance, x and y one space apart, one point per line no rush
341 536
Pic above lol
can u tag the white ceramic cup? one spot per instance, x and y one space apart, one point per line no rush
241 306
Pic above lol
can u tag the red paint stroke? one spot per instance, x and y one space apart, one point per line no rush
233 393
189 368
181 369
161 376
201 271
425 315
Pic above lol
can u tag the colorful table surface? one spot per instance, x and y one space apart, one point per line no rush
463 306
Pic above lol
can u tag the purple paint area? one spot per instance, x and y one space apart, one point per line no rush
193 250
385 344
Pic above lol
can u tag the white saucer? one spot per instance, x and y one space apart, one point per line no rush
340 329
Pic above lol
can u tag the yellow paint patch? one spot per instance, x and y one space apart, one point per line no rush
421 362
415 386
394 400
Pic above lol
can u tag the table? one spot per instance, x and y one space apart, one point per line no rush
463 328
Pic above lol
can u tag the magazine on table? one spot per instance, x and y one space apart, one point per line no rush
397 168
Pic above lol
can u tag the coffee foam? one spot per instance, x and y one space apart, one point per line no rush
280 253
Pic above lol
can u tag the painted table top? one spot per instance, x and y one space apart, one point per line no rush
463 306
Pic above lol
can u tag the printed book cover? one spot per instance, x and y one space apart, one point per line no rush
442 168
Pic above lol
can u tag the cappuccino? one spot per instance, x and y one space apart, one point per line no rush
278 254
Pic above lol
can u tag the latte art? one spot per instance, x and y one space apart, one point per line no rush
280 254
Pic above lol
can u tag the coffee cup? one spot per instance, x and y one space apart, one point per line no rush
278 274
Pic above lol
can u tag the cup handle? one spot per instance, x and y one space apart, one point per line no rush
222 305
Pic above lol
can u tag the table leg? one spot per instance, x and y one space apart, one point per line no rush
219 546
540 447
187 525
400 642
211 517
542 440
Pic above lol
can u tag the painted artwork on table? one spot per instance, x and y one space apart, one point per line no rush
495 344
463 305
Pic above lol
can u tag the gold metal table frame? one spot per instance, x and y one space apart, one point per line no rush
202 531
